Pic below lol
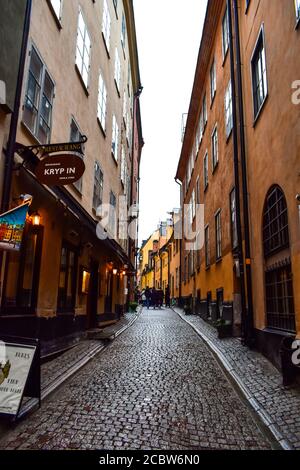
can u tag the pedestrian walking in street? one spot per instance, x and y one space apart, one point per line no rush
143 298
160 298
148 297
154 298
167 297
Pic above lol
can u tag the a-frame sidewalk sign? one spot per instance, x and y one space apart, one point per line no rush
20 374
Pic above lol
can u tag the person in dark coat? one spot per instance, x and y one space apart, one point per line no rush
160 298
148 297
167 297
154 298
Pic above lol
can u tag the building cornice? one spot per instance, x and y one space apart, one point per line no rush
213 12
132 44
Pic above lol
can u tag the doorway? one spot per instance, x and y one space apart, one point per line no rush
109 292
93 294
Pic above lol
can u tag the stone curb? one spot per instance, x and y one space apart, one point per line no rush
255 405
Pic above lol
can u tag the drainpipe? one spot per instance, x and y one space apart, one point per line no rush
9 152
250 322
180 247
236 176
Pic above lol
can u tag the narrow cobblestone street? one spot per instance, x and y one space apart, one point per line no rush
157 386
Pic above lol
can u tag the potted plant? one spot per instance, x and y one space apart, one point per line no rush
224 328
133 307
187 309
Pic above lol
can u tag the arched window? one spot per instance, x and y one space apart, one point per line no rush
275 224
280 308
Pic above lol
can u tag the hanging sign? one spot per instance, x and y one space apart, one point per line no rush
16 361
52 148
60 170
52 169
12 225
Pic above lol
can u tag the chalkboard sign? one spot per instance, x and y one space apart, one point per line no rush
19 373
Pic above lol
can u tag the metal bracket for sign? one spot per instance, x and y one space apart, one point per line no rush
31 153
32 387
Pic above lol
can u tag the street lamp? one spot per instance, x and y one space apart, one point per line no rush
35 218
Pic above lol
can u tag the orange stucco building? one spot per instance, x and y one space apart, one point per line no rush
240 158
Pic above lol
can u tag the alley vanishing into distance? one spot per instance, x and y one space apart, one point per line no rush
157 386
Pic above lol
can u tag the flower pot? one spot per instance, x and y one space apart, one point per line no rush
224 330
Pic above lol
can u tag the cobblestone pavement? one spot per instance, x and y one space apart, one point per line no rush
157 386
58 367
261 379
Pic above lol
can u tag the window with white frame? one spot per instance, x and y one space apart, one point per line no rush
228 109
190 209
205 170
112 216
123 31
38 99
117 69
198 190
76 136
102 100
123 166
200 129
204 110
106 22
98 186
213 80
115 138
225 33
83 50
259 74
124 106
207 246
57 8
218 228
233 217
115 2
214 145
197 141
192 161
297 6
193 205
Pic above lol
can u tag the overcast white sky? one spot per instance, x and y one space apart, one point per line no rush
168 33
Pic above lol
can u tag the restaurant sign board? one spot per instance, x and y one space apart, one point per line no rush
60 170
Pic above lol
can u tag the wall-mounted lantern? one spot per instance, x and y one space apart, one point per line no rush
35 218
